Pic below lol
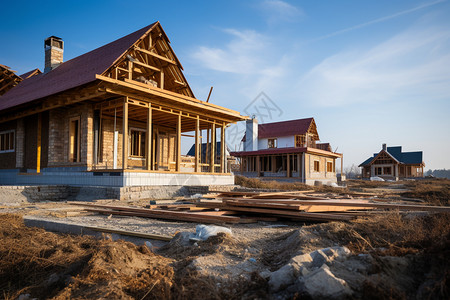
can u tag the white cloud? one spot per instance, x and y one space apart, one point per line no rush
278 10
243 54
413 64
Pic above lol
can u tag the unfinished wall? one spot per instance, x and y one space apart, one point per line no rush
58 141
322 174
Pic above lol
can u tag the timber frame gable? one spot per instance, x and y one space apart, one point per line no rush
151 60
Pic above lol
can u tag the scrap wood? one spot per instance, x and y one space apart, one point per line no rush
357 203
160 237
191 217
281 213
325 207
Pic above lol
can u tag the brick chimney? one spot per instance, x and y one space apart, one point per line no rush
384 147
54 49
251 135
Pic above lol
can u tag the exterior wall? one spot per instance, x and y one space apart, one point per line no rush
20 143
30 159
322 175
58 141
282 142
8 159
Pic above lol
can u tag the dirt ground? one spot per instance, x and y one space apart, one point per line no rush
389 256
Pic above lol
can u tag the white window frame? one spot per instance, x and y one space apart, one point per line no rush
14 141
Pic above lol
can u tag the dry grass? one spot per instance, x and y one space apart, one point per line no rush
434 191
48 265
256 183
424 239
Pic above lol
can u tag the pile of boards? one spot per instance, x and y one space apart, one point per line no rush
250 207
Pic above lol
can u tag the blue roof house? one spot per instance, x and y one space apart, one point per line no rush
392 163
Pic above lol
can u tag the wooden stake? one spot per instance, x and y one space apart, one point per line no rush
209 95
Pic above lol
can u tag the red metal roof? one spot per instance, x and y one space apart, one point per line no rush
73 73
285 128
269 151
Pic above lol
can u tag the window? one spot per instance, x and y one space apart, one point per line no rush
137 140
271 143
378 171
7 141
300 141
74 139
330 166
387 171
316 166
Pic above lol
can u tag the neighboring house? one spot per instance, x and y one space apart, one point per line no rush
111 117
206 155
287 149
392 163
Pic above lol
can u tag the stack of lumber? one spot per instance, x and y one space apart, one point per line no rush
301 205
180 212
250 207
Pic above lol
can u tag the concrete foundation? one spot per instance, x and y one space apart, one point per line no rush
74 193
80 177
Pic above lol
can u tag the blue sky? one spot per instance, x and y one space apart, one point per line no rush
369 72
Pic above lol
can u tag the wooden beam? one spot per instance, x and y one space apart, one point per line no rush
178 158
39 138
213 148
197 146
125 135
148 139
223 155
147 66
161 81
156 56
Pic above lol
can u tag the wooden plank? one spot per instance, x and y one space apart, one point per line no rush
307 208
360 204
165 213
125 134
146 66
281 213
156 56
38 147
159 237
184 217
264 204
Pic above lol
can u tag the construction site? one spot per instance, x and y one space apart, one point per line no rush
258 240
99 200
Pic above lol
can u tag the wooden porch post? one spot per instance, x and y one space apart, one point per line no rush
288 165
125 134
342 165
303 168
149 138
177 168
197 146
242 165
213 148
39 139
223 151
299 166
258 166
